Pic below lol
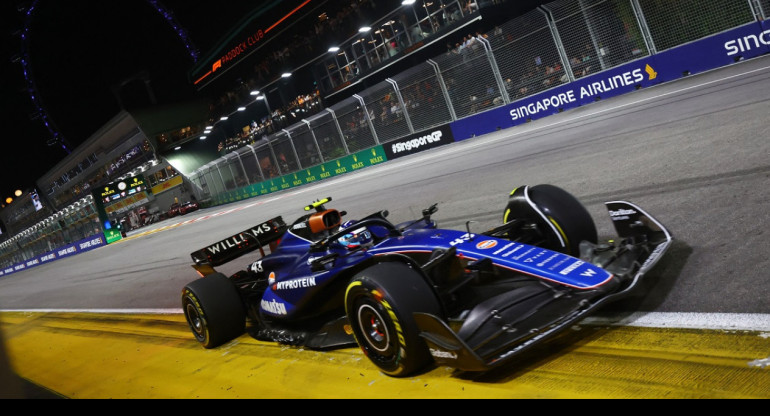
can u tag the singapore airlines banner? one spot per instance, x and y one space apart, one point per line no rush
732 46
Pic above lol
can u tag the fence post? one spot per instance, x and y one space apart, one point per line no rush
559 46
293 148
403 105
495 69
221 178
339 129
757 9
275 158
243 168
444 90
315 141
259 167
646 34
368 119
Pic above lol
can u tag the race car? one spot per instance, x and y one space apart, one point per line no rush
412 295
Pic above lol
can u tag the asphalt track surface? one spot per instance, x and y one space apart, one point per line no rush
694 153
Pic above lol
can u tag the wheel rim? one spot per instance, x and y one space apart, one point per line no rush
195 320
374 328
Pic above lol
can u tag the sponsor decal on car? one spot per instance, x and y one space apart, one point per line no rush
236 240
485 245
503 248
535 257
621 214
443 354
273 307
571 267
303 282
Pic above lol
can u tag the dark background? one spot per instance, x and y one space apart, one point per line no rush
79 50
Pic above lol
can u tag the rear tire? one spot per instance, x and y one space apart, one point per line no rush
214 310
567 221
380 302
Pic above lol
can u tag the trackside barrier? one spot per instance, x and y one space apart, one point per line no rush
350 163
86 244
415 143
745 42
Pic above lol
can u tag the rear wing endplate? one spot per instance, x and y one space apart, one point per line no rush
229 249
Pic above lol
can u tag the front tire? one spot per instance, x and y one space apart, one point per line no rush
562 219
214 310
380 302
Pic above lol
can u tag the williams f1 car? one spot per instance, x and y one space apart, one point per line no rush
412 294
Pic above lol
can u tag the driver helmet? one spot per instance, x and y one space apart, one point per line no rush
357 237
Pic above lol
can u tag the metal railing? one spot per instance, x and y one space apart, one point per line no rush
559 42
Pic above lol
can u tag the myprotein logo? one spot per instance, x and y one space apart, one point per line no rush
419 142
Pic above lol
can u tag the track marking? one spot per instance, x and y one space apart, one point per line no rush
674 320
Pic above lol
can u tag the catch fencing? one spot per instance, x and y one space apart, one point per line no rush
557 43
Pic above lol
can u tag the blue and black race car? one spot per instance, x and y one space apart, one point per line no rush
413 294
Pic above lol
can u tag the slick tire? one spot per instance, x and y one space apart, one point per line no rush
567 221
380 302
214 310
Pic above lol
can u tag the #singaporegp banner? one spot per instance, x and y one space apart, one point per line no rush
741 43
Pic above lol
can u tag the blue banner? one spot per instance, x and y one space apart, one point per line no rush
78 247
617 81
744 42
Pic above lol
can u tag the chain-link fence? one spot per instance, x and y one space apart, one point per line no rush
763 7
559 42
597 34
386 112
423 97
355 123
470 81
673 23
328 135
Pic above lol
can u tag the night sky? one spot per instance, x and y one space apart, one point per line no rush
79 49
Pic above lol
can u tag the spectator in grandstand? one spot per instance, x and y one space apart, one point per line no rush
418 33
471 6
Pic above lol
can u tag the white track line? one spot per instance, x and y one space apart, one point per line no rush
673 320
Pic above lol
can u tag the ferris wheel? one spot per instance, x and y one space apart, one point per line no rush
40 113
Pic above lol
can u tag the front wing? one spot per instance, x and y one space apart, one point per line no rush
513 322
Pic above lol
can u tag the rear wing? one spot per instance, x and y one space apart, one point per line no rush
265 234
